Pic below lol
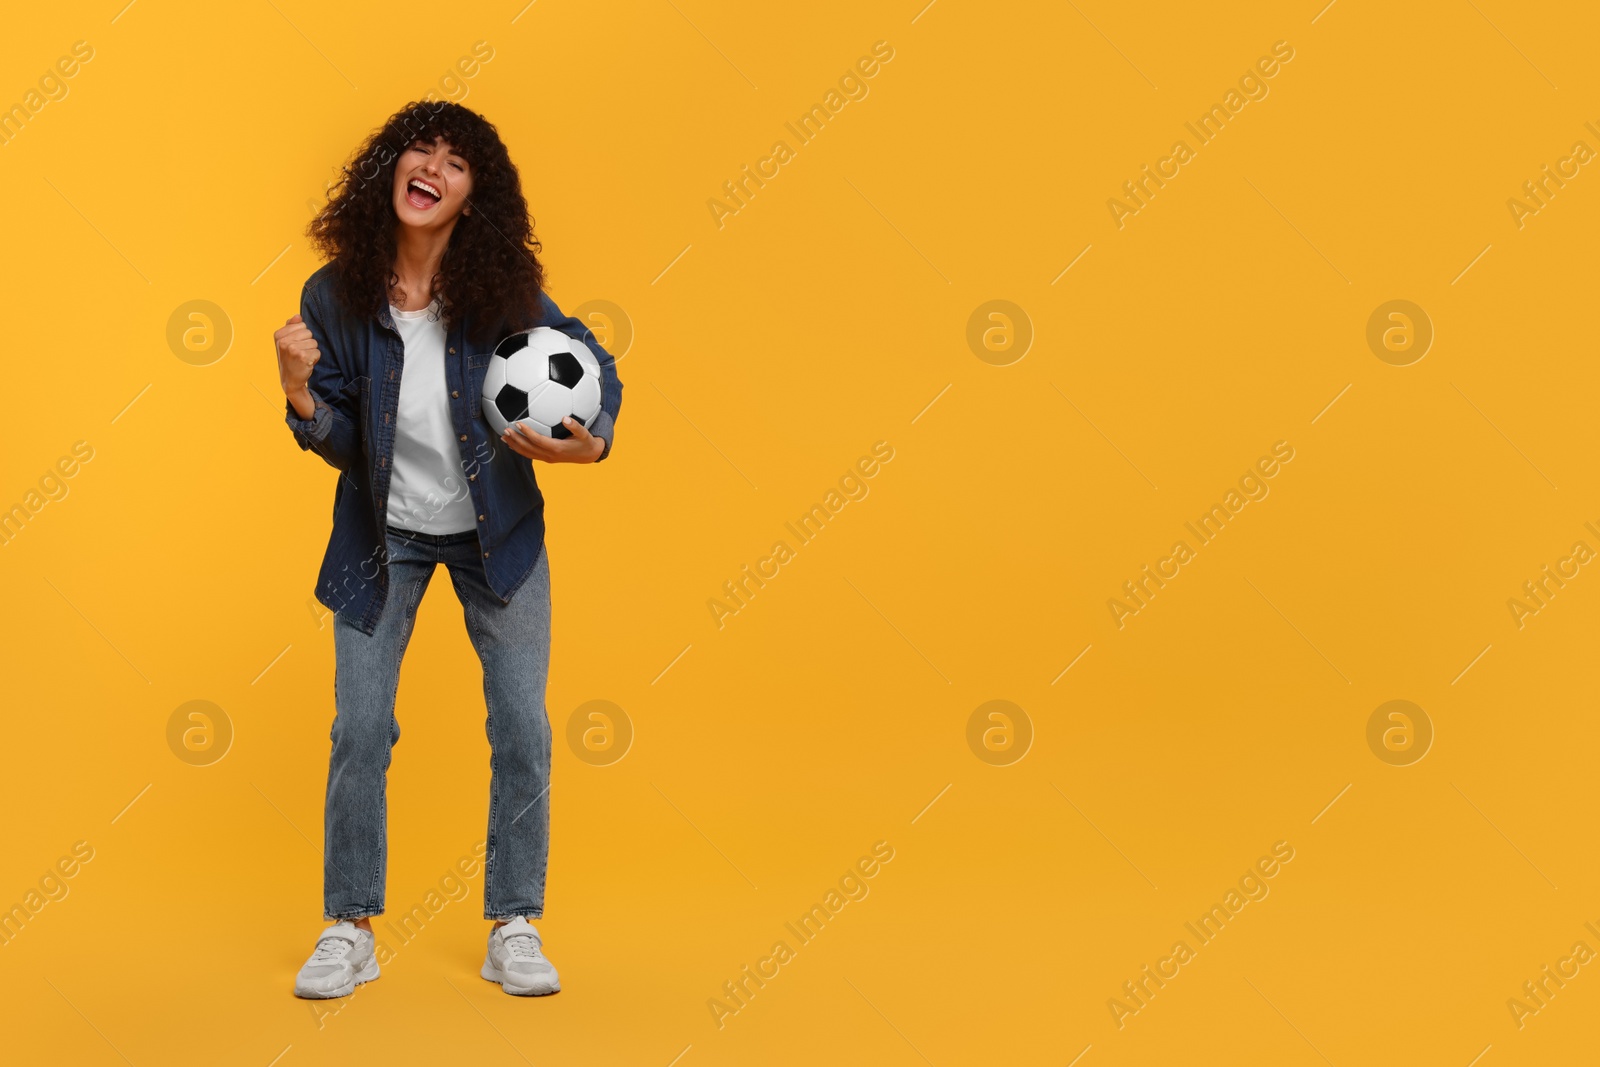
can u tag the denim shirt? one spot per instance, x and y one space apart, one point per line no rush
355 387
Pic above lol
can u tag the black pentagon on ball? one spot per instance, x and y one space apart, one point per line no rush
565 368
560 432
512 403
515 343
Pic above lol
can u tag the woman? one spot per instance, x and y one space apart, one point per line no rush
432 260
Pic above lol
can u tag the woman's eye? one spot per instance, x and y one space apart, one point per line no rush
456 165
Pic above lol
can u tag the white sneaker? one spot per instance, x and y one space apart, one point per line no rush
343 959
516 962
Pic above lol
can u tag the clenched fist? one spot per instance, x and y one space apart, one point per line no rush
297 354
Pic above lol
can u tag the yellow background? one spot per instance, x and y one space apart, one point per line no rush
827 714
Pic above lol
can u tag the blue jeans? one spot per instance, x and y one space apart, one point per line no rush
513 642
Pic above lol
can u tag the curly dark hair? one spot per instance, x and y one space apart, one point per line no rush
491 273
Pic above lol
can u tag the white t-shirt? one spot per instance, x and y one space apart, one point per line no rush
427 488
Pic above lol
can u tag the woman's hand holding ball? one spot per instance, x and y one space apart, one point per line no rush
581 447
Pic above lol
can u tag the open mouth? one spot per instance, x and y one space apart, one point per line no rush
422 195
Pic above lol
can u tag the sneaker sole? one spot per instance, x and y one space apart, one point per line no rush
367 973
493 974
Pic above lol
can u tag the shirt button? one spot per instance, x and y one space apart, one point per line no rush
486 555
472 477
483 518
453 352
463 437
454 393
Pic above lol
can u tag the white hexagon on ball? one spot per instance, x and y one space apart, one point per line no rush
494 378
538 377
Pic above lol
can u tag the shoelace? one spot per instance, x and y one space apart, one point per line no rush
522 947
331 948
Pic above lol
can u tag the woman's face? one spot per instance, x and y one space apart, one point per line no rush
431 185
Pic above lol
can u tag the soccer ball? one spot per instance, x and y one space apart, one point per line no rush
539 377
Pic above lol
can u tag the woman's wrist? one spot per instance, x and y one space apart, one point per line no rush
302 401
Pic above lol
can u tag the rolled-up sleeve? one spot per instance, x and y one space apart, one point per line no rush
331 431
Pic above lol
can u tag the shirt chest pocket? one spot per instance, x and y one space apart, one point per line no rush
357 394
